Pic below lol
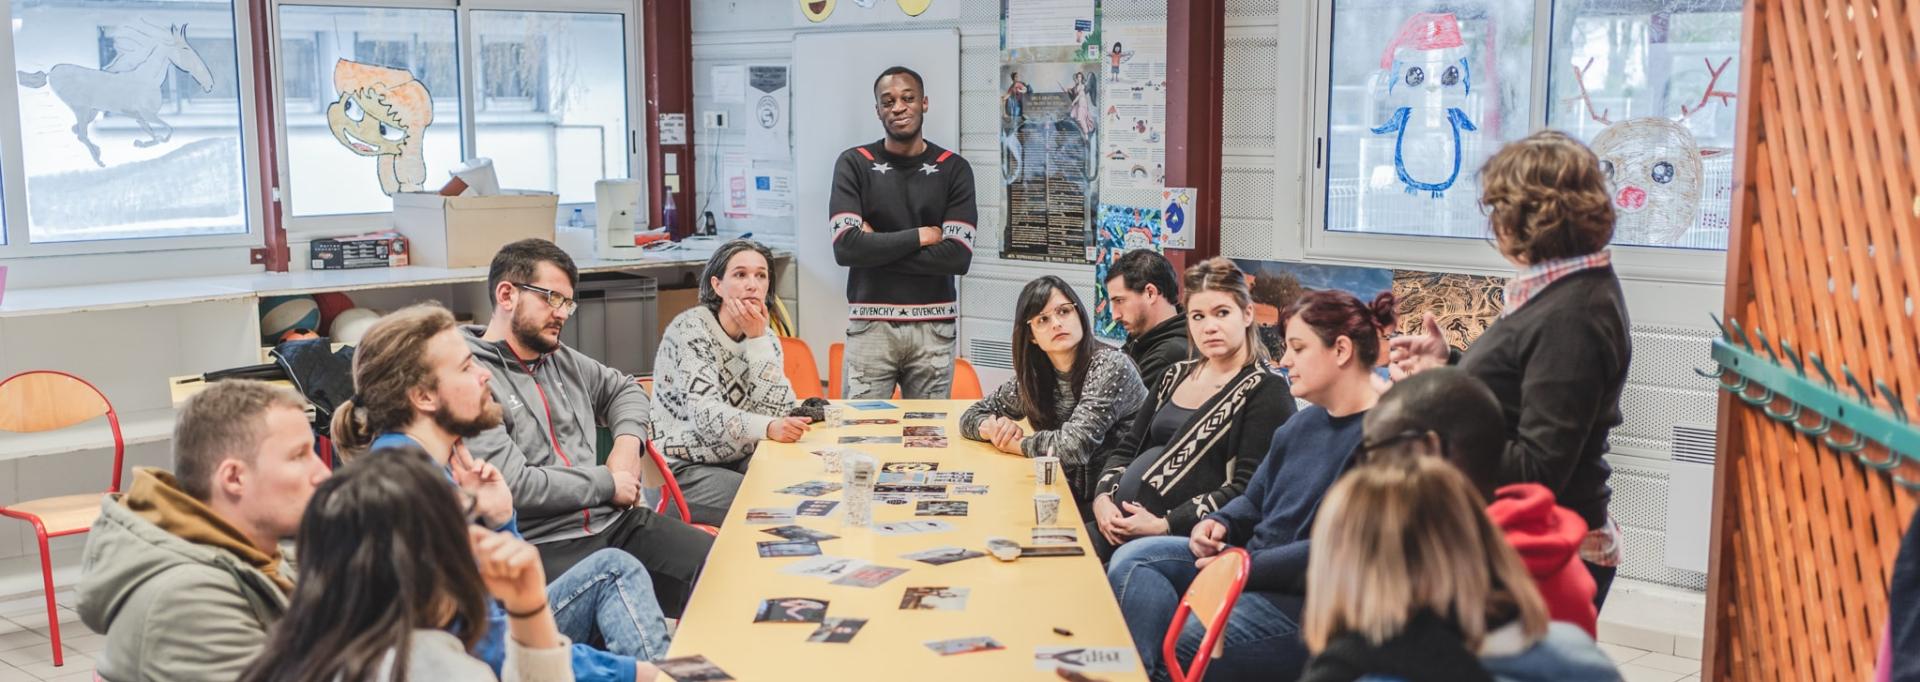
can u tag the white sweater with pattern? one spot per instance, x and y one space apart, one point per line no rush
713 397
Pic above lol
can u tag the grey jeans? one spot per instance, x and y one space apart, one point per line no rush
709 488
915 356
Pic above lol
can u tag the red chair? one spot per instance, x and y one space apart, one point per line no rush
42 400
670 491
1210 598
801 372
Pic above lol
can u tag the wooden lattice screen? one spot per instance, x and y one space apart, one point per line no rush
1824 256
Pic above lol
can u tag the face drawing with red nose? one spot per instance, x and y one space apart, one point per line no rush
1654 171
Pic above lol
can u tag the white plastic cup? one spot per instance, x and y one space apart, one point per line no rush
1044 468
1046 509
836 416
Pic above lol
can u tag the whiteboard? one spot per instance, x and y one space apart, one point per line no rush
833 110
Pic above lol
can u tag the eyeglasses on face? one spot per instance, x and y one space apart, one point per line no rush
555 299
1043 320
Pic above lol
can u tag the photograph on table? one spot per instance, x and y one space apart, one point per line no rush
763 515
940 508
912 527
816 507
1055 536
911 490
791 610
906 467
950 477
692 669
941 556
1052 550
810 488
926 441
964 645
837 630
970 490
823 567
924 415
800 533
869 440
871 575
935 598
1103 659
911 431
872 405
871 422
784 548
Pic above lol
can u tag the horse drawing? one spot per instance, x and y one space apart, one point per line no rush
129 86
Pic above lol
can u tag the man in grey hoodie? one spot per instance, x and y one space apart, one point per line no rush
183 572
553 397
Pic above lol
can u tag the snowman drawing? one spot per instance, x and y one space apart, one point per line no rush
1435 77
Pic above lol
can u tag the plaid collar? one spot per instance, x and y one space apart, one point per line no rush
1535 278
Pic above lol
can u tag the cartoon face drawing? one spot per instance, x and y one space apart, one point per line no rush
382 113
1655 167
1434 77
817 10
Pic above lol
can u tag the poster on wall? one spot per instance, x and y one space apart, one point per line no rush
1463 305
1050 30
1122 229
1176 204
1133 115
769 104
1048 135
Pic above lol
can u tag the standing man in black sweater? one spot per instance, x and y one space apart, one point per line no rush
903 218
1146 301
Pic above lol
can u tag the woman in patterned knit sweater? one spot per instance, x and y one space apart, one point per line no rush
1077 394
720 383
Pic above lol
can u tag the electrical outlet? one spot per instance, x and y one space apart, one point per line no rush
715 120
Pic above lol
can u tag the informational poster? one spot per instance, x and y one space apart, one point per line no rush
673 129
771 192
1133 119
1033 24
736 167
768 97
1178 206
1122 229
1048 135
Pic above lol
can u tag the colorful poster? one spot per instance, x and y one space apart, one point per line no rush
1056 29
1047 160
1122 229
1133 119
768 106
1177 205
1463 305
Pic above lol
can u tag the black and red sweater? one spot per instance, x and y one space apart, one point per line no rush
890 276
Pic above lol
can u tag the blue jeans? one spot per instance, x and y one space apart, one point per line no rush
1262 637
607 600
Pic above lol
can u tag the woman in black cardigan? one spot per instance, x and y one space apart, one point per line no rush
1557 358
1194 445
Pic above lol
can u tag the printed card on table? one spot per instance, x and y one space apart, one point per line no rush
1100 659
823 567
784 548
935 598
693 669
765 515
802 533
871 575
909 467
912 527
816 507
940 556
791 610
837 630
964 645
940 508
872 405
924 415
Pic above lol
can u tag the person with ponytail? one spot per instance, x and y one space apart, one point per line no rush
1413 583
1557 357
1332 343
419 390
1196 441
395 584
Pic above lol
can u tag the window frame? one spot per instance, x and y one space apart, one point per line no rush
1316 243
467 43
13 177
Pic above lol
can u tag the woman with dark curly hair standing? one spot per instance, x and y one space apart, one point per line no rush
1557 358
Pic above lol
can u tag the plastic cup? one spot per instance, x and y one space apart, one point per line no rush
1046 509
836 416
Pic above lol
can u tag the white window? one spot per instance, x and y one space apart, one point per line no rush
129 123
553 89
1415 97
391 120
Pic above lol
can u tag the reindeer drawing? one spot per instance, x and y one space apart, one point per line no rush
1654 165
129 86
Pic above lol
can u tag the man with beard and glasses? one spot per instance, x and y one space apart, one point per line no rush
903 217
553 398
418 388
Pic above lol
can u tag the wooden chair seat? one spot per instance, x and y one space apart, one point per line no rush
64 514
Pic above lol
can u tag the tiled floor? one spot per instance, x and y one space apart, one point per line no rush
25 655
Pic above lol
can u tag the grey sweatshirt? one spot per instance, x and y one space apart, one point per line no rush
556 401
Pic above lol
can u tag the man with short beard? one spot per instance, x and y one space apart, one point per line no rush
553 398
417 385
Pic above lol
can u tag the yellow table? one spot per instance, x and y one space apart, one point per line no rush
1018 603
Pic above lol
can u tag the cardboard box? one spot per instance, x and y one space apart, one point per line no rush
465 232
377 250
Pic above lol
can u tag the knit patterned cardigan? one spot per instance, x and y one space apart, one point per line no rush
713 397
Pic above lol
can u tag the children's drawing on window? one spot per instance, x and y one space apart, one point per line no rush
383 113
130 85
1429 66
1655 166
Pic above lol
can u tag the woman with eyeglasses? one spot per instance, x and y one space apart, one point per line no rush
1412 583
1194 445
720 381
395 584
1077 394
1332 341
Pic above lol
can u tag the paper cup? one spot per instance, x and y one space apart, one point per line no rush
1046 509
1044 469
836 416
